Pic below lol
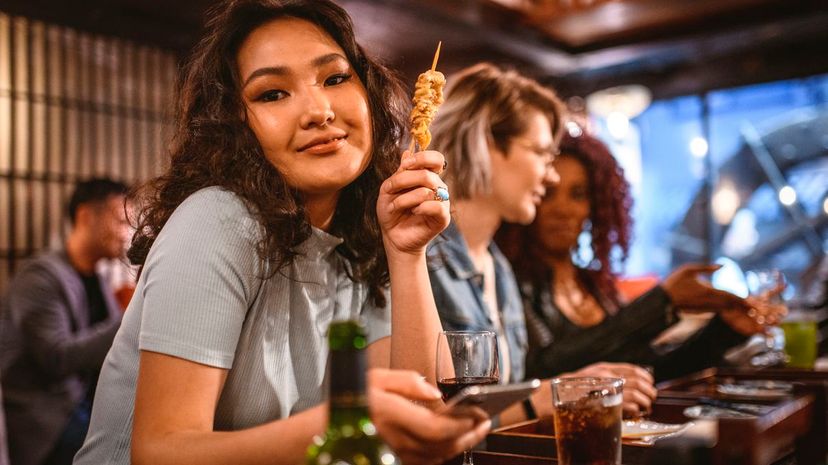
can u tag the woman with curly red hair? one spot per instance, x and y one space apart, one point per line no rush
574 313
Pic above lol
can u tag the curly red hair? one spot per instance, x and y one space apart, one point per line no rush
610 222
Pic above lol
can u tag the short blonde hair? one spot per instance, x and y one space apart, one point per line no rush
487 104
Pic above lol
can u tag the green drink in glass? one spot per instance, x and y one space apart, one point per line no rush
800 330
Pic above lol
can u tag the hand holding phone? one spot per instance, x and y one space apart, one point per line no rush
488 400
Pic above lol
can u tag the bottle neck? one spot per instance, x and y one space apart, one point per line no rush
343 415
348 401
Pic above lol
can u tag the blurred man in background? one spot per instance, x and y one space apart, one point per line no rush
57 323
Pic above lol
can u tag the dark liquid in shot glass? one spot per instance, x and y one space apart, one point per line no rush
588 432
451 386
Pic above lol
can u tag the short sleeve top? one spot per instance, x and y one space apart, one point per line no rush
205 296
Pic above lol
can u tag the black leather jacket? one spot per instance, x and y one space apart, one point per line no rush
556 345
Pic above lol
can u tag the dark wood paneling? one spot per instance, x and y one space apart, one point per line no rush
59 121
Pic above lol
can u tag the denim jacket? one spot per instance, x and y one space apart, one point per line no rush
458 293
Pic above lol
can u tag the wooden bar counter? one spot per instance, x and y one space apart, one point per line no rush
791 430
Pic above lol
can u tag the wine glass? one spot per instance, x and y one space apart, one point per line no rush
766 285
466 358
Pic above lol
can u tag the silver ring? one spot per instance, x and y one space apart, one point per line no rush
441 194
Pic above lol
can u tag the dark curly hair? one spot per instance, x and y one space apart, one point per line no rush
213 145
610 222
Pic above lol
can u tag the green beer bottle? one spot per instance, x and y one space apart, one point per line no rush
351 438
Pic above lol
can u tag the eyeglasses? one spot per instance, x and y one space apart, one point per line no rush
549 153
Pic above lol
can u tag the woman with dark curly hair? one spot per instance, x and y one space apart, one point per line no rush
285 206
574 313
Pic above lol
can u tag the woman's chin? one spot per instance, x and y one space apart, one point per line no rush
523 216
559 245
323 185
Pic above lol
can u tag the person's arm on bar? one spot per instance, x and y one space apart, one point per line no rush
175 406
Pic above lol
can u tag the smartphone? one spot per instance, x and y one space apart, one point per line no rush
491 399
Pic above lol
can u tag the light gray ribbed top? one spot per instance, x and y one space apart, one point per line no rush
201 298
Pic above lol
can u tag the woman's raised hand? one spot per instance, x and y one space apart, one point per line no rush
763 312
413 204
691 294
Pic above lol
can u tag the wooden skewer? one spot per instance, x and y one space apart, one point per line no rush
436 56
